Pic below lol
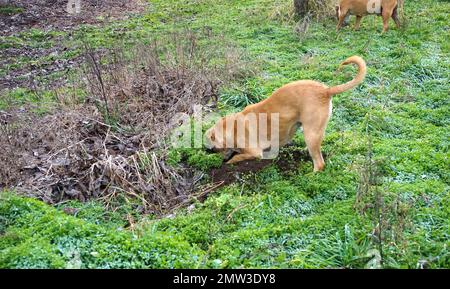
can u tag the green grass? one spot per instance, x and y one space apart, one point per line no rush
280 219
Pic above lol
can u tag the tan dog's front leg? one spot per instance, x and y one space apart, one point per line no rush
240 158
247 155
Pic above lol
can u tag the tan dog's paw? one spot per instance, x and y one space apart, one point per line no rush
240 158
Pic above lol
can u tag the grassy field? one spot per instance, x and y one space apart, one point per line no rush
382 201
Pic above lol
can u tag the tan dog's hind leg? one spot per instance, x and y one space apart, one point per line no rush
314 131
358 22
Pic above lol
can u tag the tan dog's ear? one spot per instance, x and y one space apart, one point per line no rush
229 126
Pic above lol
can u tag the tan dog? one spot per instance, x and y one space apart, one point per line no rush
360 8
303 103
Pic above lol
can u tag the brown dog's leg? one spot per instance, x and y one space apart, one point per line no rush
395 17
358 21
386 16
342 16
313 141
341 20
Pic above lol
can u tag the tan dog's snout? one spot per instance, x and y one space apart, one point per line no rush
211 145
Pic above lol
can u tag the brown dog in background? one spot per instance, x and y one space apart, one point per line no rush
360 8
304 102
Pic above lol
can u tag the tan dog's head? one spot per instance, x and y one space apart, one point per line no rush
218 138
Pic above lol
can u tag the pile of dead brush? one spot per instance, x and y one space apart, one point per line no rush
112 145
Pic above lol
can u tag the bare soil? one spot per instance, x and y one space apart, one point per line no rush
287 161
52 14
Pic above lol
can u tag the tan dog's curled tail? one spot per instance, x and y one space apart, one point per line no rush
355 81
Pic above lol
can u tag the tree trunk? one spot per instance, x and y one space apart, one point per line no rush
301 7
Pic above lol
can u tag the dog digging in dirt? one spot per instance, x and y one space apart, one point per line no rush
360 8
272 123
